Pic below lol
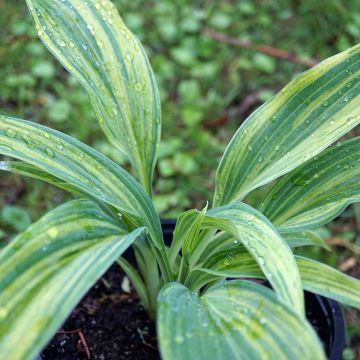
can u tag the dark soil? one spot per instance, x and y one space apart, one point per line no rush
109 324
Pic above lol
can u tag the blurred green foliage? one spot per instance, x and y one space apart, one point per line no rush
207 89
202 82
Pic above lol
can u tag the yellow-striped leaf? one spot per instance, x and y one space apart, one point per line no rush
234 320
308 115
226 241
79 165
92 42
267 247
304 238
183 224
317 191
47 269
24 169
85 169
315 276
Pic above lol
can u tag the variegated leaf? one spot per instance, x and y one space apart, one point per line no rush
234 320
212 244
315 276
304 238
24 169
85 169
318 190
308 115
266 246
47 269
92 42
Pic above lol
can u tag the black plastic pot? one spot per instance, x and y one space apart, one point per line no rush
324 314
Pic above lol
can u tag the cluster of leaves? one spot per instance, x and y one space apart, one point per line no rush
48 268
200 80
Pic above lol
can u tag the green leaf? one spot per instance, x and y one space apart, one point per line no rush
327 281
192 236
16 217
85 169
183 223
92 42
316 277
79 165
211 244
24 169
304 238
267 247
46 270
317 191
136 280
234 320
308 115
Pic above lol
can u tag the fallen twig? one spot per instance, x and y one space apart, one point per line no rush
348 264
343 243
268 50
85 345
82 339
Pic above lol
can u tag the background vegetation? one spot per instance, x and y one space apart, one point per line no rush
207 85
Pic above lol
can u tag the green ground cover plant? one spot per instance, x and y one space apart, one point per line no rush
78 241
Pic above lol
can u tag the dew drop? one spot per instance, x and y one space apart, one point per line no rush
179 339
138 87
61 43
10 133
261 260
301 180
3 313
49 152
277 147
53 232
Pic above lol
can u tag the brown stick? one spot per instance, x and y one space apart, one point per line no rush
85 345
343 243
82 339
268 50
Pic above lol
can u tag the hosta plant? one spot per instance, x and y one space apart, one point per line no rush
46 270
